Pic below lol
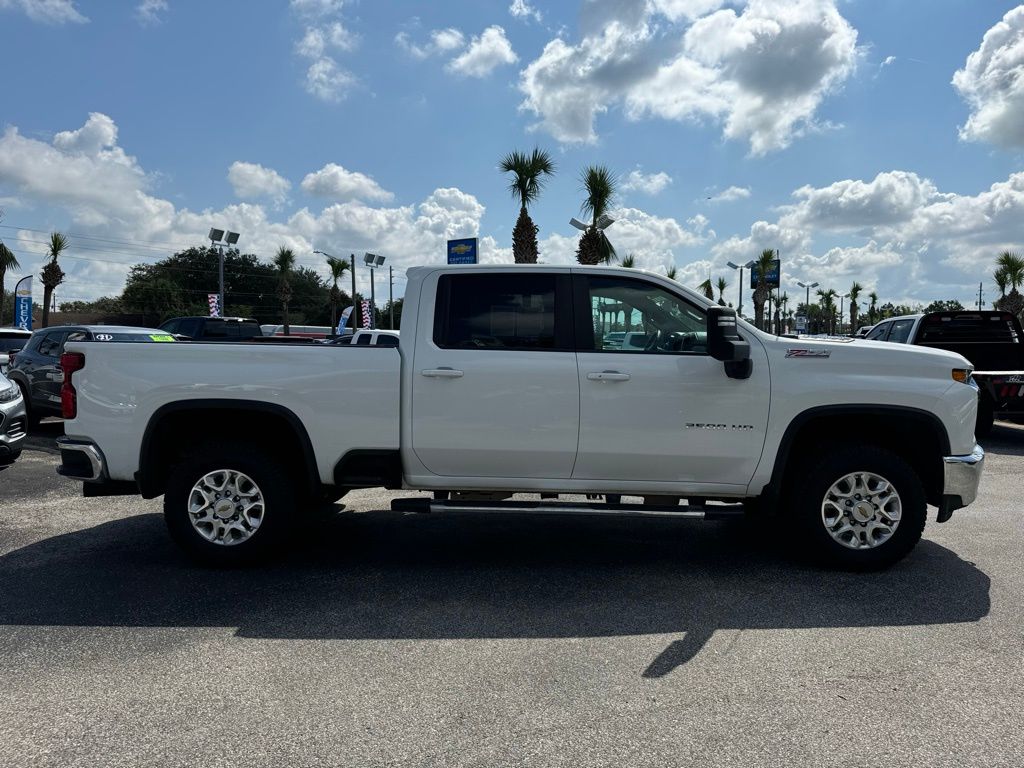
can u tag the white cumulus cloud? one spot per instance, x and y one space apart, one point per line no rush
325 36
337 183
992 83
485 54
731 194
761 72
648 183
522 9
148 12
441 41
46 11
252 181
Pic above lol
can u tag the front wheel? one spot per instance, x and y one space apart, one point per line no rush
229 504
859 507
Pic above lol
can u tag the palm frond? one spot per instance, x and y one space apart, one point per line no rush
600 185
527 172
58 244
7 259
284 260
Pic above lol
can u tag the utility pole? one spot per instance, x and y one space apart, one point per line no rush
391 297
980 302
355 309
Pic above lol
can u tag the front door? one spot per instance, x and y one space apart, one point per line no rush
495 390
653 404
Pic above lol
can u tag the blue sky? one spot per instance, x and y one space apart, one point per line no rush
834 129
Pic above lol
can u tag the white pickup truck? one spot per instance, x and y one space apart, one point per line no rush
503 384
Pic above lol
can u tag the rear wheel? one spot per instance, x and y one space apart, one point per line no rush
229 504
859 507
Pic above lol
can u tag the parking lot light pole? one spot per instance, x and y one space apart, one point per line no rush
807 300
218 238
740 267
373 261
841 298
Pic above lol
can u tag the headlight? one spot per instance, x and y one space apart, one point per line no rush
10 394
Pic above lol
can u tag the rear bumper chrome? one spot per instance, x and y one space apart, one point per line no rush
962 474
81 461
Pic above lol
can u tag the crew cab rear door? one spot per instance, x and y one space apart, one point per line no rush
495 389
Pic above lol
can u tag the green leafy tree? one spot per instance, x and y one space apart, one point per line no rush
600 185
528 172
762 266
722 285
707 289
950 305
284 261
7 261
1011 265
107 305
338 268
873 308
52 275
855 290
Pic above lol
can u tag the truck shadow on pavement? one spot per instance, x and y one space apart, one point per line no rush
383 575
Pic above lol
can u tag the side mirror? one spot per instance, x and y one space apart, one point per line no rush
726 344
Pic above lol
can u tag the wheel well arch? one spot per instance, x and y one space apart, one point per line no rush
172 429
916 435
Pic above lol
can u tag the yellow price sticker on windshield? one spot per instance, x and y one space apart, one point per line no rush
160 337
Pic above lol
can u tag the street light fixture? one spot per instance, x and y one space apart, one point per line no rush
373 261
841 315
741 267
218 239
807 300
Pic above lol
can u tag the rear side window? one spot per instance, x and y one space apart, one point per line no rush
215 329
386 340
505 311
51 344
878 332
900 332
364 340
247 330
10 342
951 329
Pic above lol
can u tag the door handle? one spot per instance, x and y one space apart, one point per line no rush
608 376
441 373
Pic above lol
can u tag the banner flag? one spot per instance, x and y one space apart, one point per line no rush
345 314
214 301
366 314
23 303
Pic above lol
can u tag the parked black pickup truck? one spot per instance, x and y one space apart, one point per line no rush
992 341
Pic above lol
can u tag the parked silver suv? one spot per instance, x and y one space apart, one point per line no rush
13 420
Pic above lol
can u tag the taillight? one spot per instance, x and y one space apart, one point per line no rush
69 363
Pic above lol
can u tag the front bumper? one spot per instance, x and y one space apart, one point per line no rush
13 429
961 476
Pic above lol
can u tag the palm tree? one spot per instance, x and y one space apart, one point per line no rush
670 273
628 261
1001 281
855 290
52 275
873 307
285 262
707 289
338 268
784 304
722 285
762 266
527 181
828 308
7 261
1012 267
599 183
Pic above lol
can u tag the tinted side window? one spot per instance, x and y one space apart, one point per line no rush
364 340
248 330
878 332
51 344
387 341
191 327
900 331
171 326
214 329
506 311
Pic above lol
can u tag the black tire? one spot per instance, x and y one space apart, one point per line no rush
814 479
986 416
32 416
280 504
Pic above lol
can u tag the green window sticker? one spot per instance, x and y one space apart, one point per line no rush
160 337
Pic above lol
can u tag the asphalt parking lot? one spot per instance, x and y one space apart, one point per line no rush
452 640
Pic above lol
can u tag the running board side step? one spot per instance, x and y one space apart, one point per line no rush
421 505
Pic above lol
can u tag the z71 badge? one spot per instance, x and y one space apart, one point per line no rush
808 353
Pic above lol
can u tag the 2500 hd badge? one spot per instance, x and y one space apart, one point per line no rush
692 425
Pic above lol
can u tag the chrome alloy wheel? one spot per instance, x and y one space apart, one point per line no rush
226 507
861 510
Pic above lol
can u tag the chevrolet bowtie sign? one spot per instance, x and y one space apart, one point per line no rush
463 251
